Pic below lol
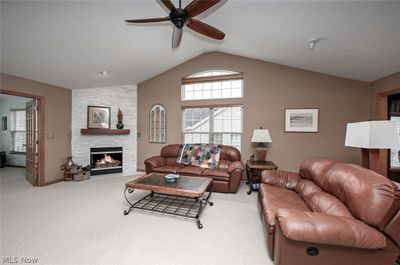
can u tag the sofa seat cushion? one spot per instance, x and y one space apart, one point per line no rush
274 198
216 174
190 171
167 169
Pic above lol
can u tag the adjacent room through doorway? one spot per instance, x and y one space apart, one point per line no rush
21 141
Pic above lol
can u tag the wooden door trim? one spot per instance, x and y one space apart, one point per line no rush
41 129
382 114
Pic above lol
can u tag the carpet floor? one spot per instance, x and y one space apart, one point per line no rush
75 223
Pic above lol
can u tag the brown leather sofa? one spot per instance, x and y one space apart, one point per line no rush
330 213
226 177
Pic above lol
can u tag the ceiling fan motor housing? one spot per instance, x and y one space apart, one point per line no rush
179 17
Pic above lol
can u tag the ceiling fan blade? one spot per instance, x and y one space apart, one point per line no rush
148 20
199 6
168 4
176 37
205 29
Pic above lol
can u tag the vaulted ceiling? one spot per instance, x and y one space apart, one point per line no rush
67 43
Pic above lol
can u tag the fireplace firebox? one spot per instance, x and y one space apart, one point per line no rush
105 160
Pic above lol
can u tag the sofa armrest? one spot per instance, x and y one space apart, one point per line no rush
153 162
235 171
328 229
235 165
280 178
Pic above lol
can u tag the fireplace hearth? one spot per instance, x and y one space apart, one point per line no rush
105 160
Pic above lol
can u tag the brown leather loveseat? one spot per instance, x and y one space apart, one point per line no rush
226 177
330 213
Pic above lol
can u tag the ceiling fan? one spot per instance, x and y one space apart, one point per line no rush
181 17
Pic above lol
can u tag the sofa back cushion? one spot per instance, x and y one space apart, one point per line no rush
170 152
315 168
228 154
369 196
320 201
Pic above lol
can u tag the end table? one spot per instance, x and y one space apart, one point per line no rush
254 169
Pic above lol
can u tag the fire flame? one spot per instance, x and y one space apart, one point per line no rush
106 159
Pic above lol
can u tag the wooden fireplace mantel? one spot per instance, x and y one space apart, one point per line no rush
105 131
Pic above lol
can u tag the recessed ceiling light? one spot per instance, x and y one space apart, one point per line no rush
104 73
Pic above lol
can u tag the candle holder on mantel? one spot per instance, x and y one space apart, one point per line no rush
120 116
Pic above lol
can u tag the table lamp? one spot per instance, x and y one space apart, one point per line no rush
261 136
371 136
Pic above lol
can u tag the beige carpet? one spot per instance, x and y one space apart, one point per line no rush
83 223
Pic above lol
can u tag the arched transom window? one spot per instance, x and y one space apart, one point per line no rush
214 84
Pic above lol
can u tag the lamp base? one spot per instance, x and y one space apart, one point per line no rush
261 153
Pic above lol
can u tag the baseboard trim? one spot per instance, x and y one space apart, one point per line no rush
52 182
140 170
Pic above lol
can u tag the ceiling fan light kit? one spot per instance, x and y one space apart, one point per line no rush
184 17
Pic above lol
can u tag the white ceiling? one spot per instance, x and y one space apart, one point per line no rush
68 43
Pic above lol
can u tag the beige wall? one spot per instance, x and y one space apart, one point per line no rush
390 82
57 120
268 89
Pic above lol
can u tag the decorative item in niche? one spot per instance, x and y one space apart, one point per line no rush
98 117
120 116
301 120
4 123
158 124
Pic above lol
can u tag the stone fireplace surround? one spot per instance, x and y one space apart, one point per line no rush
124 97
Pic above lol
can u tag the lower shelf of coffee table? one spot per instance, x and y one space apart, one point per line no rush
182 206
171 204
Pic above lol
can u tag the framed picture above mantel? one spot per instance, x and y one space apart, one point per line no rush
301 120
98 117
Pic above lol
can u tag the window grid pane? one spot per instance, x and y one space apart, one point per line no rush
196 120
226 129
18 130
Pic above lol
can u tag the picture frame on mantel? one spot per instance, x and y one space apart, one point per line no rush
98 117
301 120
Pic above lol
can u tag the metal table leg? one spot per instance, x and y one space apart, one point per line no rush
249 173
129 190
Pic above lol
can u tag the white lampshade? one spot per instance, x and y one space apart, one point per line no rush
261 136
372 135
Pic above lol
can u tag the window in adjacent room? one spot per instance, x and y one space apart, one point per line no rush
18 130
158 124
216 84
219 125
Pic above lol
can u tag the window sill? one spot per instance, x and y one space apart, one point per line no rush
17 153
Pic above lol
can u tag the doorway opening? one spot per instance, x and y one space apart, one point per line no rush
22 133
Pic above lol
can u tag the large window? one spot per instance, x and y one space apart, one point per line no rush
394 153
217 84
220 125
18 130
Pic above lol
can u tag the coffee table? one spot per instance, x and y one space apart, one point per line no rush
185 197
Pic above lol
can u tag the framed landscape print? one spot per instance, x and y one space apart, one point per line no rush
301 120
98 117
